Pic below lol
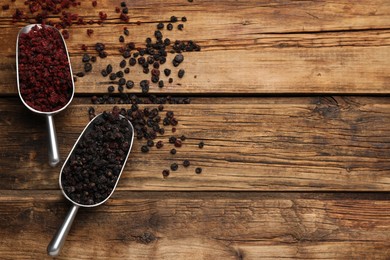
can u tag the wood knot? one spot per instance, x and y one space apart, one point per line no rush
145 238
329 107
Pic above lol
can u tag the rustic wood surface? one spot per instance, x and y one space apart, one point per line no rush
333 143
295 164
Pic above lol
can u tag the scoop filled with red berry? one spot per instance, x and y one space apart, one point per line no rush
44 76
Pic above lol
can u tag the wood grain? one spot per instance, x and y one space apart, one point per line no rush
279 47
313 144
211 225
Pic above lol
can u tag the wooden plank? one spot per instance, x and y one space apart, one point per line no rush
253 48
213 225
261 69
230 15
303 144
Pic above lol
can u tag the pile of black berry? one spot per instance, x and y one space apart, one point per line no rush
134 99
149 123
93 168
151 58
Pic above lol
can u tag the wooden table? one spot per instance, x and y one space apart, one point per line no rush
291 100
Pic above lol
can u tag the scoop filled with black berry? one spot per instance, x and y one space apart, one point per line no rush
92 170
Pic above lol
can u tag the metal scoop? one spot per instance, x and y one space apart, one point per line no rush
54 157
58 240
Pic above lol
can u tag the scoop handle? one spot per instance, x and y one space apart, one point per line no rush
55 245
54 155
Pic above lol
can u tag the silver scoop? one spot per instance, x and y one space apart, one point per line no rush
54 157
58 240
